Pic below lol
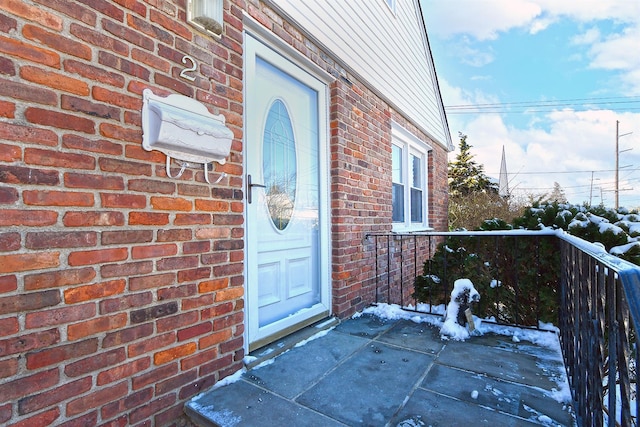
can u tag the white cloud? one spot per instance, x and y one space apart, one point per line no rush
565 150
483 20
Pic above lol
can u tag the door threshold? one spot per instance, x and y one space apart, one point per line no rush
287 342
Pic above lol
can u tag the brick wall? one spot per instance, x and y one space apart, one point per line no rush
121 290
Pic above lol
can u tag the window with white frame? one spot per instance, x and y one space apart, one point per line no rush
392 5
409 176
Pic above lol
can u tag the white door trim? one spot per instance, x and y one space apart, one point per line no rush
259 47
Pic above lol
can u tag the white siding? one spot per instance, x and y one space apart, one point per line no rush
388 51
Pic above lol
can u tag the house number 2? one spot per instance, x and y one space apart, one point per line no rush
191 68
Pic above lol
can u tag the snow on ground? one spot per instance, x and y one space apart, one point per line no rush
545 337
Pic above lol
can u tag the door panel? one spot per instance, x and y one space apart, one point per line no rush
287 261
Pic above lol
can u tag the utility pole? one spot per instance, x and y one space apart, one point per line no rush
618 159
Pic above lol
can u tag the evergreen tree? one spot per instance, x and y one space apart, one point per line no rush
466 176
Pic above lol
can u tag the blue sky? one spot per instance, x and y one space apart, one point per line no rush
557 75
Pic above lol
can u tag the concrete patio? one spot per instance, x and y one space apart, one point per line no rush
372 372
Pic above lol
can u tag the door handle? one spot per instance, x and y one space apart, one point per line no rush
250 186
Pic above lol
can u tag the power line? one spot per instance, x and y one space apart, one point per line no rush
544 106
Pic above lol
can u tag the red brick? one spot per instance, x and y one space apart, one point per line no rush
99 256
10 153
125 167
150 345
52 397
42 157
177 263
54 80
101 324
212 205
123 371
121 133
94 291
42 419
60 239
56 355
90 419
8 368
99 182
127 335
28 261
173 353
8 196
133 400
126 236
93 219
138 153
196 247
98 398
96 362
22 175
57 198
28 342
194 274
116 98
194 331
74 10
174 383
59 278
128 67
10 242
29 52
152 407
201 301
151 282
17 217
154 251
215 338
27 134
130 201
174 84
124 33
198 359
8 110
175 322
148 218
171 25
100 146
213 285
150 59
29 384
171 203
60 120
176 292
154 376
9 326
34 14
151 186
96 74
174 235
99 39
59 316
85 106
155 32
8 283
193 219
126 269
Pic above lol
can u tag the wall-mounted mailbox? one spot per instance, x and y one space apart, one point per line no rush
183 128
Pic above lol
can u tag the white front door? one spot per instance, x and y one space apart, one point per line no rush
286 212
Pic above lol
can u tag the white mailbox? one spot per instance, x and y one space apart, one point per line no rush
183 128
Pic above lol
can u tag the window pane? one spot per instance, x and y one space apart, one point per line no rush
398 203
396 163
416 205
416 171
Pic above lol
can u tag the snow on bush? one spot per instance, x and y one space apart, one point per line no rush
455 320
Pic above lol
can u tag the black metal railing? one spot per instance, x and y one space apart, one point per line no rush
528 277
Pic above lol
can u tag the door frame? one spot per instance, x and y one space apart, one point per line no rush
292 61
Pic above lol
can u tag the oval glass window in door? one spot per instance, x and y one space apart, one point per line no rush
279 164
